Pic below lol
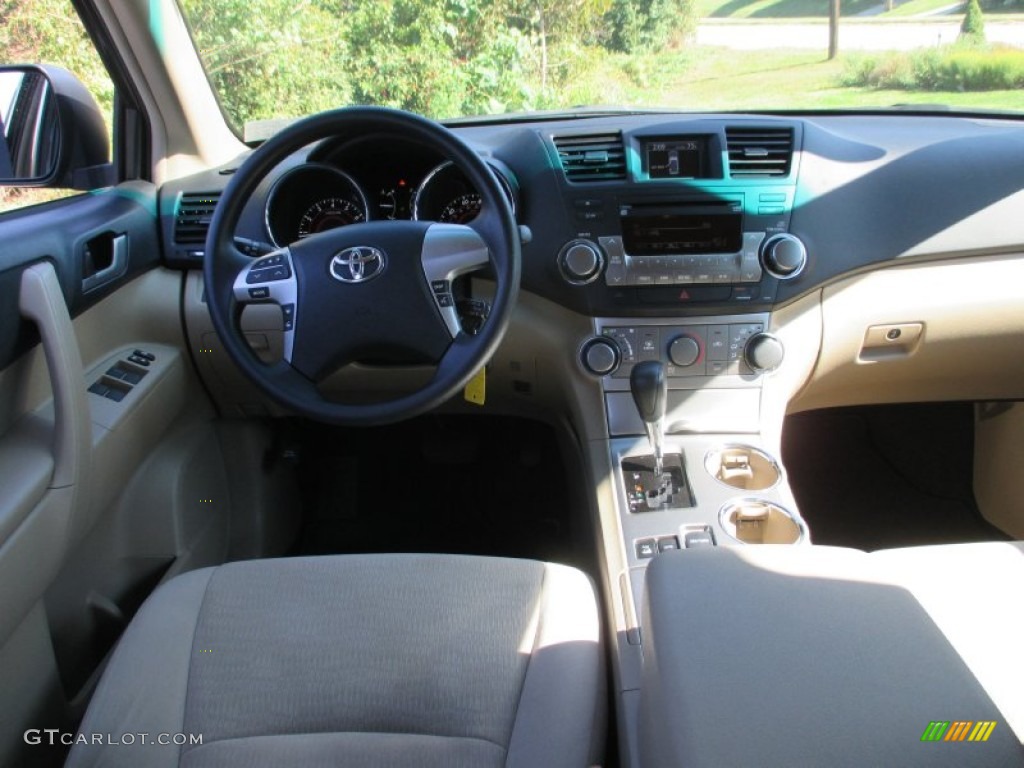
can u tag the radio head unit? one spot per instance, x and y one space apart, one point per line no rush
692 242
682 230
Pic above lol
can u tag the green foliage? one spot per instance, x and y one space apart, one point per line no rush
954 68
285 58
270 58
646 25
50 32
973 26
439 59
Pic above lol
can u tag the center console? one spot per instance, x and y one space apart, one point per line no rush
680 265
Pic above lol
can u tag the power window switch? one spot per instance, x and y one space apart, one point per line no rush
115 394
695 539
646 549
99 388
667 543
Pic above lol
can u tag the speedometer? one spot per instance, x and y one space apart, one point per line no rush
328 214
462 209
447 195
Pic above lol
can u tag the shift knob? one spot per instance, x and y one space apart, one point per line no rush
649 386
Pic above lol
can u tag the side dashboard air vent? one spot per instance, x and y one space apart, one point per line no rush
192 217
592 158
759 151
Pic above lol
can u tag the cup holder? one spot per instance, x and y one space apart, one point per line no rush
756 521
743 467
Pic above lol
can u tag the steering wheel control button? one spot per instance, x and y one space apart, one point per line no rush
445 300
269 269
259 293
358 265
440 286
288 312
268 274
646 549
277 260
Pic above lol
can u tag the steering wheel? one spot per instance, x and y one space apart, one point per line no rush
378 290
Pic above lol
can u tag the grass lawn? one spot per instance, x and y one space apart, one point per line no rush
709 79
778 9
915 7
788 9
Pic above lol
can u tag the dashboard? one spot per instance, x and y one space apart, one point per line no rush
663 215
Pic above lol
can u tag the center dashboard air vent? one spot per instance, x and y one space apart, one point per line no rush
193 215
594 157
759 151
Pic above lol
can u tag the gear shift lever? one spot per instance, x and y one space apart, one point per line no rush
649 386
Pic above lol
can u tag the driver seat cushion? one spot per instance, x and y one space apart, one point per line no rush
370 660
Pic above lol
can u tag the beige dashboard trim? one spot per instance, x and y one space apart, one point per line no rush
971 317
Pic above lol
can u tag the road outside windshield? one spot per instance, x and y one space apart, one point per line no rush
450 58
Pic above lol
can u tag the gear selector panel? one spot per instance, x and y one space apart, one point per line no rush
646 491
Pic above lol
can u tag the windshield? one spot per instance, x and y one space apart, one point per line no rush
272 59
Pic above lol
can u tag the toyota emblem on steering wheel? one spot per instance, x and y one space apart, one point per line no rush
357 265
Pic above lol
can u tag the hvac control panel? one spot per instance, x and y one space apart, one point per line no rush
737 346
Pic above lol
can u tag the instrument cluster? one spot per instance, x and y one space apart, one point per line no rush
371 180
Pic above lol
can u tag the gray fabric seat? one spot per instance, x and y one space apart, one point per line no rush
375 660
807 656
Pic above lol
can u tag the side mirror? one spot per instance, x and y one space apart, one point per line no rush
52 133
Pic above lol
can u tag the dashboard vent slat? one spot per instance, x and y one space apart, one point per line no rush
759 151
192 217
594 157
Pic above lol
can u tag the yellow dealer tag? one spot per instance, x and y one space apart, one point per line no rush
476 389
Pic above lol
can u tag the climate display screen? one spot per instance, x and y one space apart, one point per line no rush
675 234
675 159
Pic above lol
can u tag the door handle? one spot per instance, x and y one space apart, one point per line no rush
109 252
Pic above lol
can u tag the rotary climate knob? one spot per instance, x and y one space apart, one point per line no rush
763 352
684 351
580 262
784 256
600 356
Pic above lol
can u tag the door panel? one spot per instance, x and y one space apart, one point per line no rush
81 418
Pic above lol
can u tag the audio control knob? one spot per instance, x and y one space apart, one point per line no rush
784 256
684 351
580 262
763 352
600 356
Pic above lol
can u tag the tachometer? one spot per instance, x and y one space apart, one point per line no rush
328 214
462 209
311 198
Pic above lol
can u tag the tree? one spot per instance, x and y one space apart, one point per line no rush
833 28
637 25
972 29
